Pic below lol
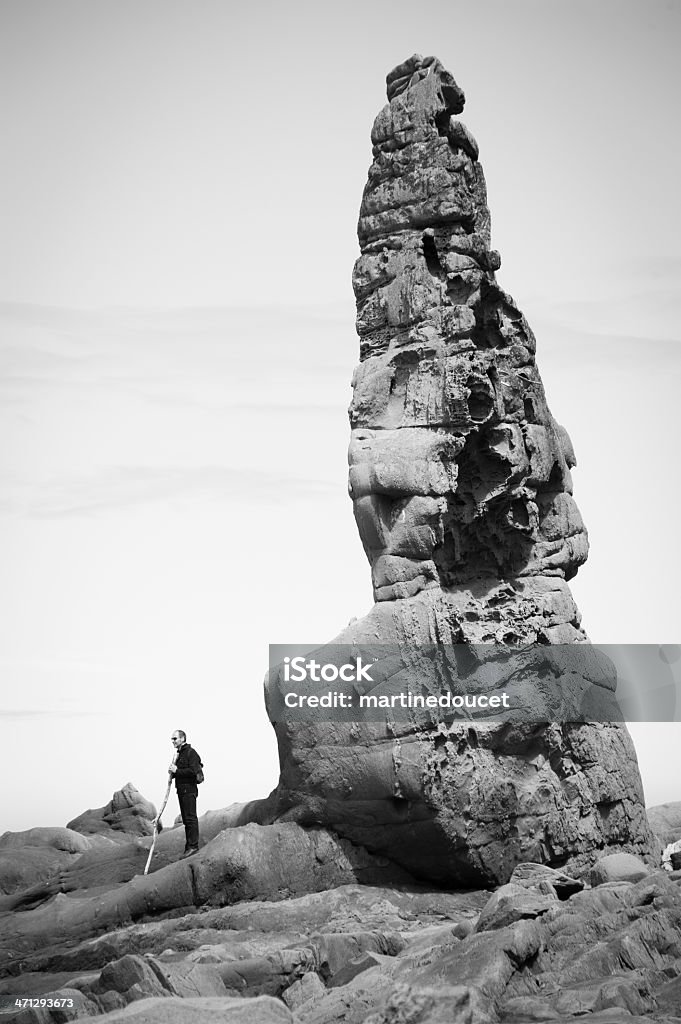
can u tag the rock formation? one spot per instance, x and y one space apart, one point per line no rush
238 864
127 812
36 854
461 487
665 821
458 472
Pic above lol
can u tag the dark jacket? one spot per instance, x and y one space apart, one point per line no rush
188 764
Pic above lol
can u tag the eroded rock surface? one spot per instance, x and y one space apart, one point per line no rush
253 861
127 811
358 954
461 486
36 854
280 923
665 821
458 471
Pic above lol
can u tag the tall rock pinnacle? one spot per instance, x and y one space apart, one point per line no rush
462 493
458 471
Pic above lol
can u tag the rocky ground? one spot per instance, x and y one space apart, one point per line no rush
277 923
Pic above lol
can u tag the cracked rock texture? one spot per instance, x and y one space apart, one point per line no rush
461 486
544 948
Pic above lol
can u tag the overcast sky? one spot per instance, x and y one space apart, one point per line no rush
180 197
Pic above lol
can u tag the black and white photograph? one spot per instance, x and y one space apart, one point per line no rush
339 512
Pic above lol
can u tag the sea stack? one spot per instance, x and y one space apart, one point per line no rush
462 492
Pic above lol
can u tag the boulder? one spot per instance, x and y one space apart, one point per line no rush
665 821
125 980
98 868
513 903
307 989
267 975
546 880
434 1005
21 869
209 1010
65 840
618 867
486 961
351 1003
134 977
127 811
37 854
335 951
356 965
668 997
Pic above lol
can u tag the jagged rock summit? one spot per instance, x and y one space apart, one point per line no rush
458 471
127 813
461 487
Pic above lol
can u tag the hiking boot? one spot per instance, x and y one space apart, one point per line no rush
188 853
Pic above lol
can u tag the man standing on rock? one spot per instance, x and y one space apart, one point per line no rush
187 769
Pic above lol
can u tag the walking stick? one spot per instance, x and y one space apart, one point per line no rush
157 819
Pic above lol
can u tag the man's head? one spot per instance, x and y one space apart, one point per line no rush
179 737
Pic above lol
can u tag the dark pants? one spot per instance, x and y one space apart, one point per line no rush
186 795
